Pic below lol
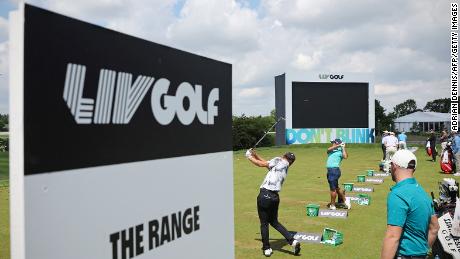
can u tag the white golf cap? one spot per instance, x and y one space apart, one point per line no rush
404 159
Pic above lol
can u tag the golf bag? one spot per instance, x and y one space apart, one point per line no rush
446 203
446 162
428 148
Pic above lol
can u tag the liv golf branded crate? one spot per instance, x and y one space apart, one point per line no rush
120 147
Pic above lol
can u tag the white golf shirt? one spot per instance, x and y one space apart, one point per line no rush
275 177
383 139
391 141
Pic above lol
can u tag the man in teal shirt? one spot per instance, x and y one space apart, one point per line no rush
335 154
411 224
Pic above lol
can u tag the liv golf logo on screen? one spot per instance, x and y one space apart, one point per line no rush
122 145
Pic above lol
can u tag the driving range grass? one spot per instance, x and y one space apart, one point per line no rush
306 183
4 211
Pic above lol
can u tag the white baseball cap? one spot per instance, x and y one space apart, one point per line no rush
404 159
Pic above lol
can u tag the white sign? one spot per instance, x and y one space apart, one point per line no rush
333 213
374 180
308 237
381 174
450 244
120 147
363 189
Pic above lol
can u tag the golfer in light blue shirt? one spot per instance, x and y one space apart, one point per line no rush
402 139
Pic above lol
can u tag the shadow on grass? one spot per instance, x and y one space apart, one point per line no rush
277 245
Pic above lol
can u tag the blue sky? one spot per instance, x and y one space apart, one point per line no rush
5 7
404 45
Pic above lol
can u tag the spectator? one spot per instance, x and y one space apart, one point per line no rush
391 145
412 226
402 138
456 152
384 135
432 140
444 138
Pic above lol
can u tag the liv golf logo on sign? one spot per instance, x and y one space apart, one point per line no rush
128 96
333 213
119 147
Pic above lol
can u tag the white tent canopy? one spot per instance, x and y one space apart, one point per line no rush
424 120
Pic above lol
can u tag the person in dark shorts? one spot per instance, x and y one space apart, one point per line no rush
384 135
432 140
335 154
268 200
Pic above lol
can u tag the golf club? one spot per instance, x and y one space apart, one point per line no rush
266 132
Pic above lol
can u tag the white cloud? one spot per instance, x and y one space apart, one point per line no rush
405 44
141 18
253 101
421 91
252 92
222 28
306 62
329 15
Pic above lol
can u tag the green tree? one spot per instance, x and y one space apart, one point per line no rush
382 121
404 108
4 144
273 114
438 105
247 131
4 120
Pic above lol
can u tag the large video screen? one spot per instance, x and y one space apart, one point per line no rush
330 105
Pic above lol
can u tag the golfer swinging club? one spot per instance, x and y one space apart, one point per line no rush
335 154
268 199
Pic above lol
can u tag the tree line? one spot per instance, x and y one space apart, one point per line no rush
247 130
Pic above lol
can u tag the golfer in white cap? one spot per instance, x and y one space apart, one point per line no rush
412 225
268 200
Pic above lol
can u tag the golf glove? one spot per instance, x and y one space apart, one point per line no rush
248 153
